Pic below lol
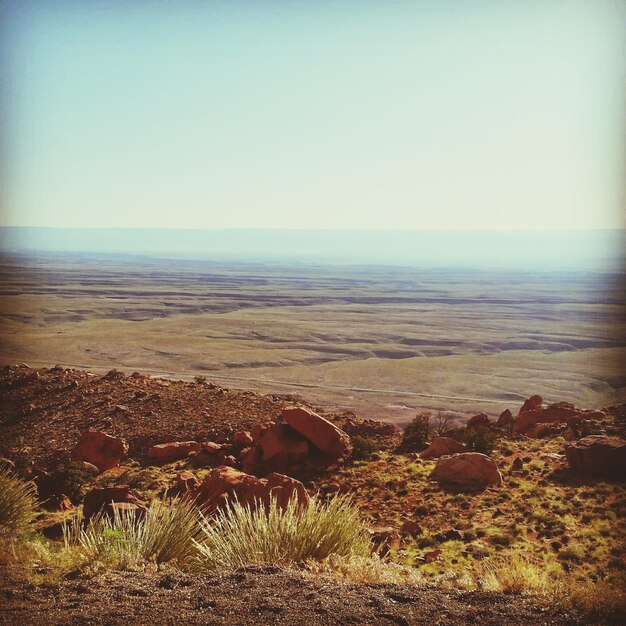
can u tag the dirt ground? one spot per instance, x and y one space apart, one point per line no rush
267 596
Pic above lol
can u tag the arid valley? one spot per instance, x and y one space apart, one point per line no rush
382 341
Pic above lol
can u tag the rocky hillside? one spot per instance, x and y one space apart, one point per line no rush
541 486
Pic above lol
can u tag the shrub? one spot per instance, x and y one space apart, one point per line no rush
239 536
363 448
480 440
165 533
415 437
18 503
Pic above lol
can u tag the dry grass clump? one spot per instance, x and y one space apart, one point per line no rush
166 533
18 503
363 569
515 575
239 536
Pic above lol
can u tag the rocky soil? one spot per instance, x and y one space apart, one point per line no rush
265 596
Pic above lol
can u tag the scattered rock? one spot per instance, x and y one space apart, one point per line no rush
174 451
102 500
468 469
319 431
442 446
598 454
100 449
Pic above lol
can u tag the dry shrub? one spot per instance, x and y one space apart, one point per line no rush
239 536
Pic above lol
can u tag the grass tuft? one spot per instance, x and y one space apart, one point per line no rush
239 536
18 503
164 534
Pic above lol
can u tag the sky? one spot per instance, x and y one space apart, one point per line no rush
313 115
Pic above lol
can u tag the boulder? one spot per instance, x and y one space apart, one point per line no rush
533 403
174 451
103 499
478 421
598 454
100 449
226 484
506 418
319 431
442 446
468 469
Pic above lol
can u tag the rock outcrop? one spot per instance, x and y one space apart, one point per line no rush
100 449
442 446
225 485
468 469
598 454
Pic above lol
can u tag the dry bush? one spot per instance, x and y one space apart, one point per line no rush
18 503
239 536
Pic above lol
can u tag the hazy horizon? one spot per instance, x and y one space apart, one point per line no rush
594 250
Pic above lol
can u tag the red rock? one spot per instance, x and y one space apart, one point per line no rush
598 454
102 499
560 413
478 421
506 418
174 451
320 432
533 403
100 450
226 484
243 439
442 446
469 469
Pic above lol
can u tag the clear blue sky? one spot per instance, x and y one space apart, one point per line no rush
405 115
